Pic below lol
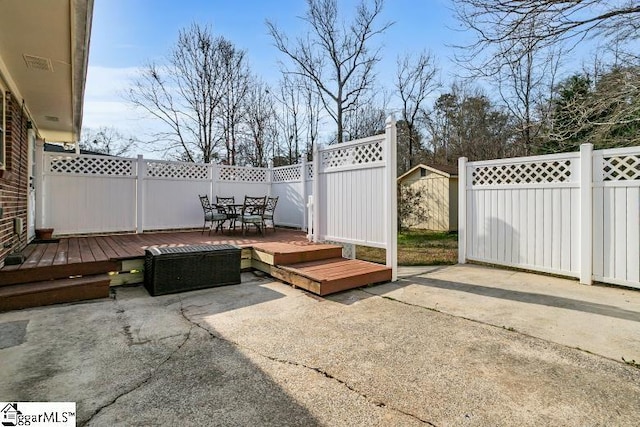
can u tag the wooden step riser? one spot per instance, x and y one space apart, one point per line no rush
13 277
323 288
25 299
296 257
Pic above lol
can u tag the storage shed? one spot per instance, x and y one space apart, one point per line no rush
439 185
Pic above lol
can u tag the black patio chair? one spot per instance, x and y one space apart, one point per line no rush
211 214
269 211
228 204
251 214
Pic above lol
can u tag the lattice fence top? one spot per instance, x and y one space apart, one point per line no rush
352 155
107 166
309 174
523 173
177 170
286 173
621 168
234 173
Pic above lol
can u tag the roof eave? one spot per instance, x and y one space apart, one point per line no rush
82 15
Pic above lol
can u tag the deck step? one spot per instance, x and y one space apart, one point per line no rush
36 294
28 274
324 277
276 253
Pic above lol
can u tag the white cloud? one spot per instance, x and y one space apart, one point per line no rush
108 83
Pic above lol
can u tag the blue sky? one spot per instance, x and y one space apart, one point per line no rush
128 33
125 32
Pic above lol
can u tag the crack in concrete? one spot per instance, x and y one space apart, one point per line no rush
481 322
302 365
435 310
146 380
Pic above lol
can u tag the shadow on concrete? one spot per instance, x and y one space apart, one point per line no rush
175 373
12 333
529 298
230 298
214 300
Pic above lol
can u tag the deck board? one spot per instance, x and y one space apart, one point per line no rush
48 255
106 248
35 256
74 256
96 250
120 251
85 250
62 253
28 251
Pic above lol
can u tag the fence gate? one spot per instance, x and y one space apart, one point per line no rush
574 214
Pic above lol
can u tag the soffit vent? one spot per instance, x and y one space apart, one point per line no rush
38 63
52 118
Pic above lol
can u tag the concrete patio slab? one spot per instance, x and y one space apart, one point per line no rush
600 319
263 353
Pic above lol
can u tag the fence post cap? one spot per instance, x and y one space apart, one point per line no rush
391 120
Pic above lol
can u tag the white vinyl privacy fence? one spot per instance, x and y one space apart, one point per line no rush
354 193
98 194
574 214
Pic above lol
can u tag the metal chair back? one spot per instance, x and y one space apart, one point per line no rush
270 207
225 200
204 201
253 205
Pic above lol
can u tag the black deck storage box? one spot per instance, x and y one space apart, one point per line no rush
186 268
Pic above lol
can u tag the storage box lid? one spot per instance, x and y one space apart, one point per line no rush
190 249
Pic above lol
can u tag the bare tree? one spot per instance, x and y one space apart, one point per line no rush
503 21
235 84
106 140
185 94
313 107
261 125
368 118
292 115
525 76
335 56
415 81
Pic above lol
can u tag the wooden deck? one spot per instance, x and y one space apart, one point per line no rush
118 247
79 265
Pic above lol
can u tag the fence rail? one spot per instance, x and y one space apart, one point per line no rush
575 214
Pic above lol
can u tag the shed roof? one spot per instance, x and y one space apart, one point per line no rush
447 171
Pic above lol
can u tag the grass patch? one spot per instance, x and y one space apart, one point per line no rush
417 247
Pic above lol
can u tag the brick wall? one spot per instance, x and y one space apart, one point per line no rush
14 180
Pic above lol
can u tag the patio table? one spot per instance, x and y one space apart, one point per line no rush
233 210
